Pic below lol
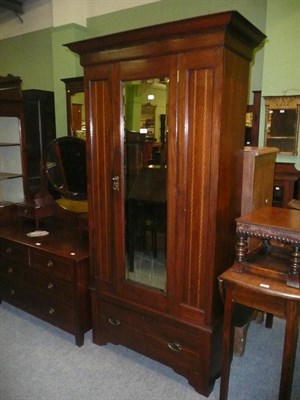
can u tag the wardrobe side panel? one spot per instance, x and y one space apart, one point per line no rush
198 144
100 166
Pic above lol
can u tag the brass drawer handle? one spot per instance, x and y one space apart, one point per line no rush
12 292
51 311
174 346
114 321
50 286
8 250
9 270
50 263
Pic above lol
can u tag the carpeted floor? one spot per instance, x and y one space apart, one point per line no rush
40 362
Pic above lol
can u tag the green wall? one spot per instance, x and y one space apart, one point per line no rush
30 57
65 65
281 72
171 10
40 59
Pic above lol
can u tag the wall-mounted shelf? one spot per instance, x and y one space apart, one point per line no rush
8 175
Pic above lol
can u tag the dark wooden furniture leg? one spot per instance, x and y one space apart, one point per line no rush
289 351
269 321
227 342
79 338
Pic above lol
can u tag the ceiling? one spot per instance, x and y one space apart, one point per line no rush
15 6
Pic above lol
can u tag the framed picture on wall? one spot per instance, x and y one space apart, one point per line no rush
282 123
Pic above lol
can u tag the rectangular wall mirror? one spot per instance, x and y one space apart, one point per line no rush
282 123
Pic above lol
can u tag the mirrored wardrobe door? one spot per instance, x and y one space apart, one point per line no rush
145 175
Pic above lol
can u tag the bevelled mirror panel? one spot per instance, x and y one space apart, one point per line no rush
145 122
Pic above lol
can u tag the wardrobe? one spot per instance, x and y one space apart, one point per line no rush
158 244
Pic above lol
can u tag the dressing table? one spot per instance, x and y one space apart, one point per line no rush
44 268
44 257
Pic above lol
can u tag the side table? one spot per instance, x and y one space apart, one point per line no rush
267 279
268 295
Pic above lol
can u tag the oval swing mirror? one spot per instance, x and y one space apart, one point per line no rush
65 165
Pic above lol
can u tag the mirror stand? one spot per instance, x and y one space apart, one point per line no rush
41 206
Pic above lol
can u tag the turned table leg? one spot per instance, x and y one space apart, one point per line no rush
293 278
241 250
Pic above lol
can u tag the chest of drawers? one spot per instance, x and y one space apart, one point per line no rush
47 277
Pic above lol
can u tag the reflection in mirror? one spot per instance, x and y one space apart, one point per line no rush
282 123
145 110
78 115
65 164
75 106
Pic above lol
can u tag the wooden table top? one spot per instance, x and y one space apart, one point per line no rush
60 240
260 284
281 224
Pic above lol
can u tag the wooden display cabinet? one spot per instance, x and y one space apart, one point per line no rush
13 167
168 305
27 125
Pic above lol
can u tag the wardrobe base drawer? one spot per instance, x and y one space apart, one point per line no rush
180 349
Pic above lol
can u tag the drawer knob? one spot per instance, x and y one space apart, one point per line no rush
114 321
9 270
174 346
50 263
51 311
50 285
12 292
8 250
